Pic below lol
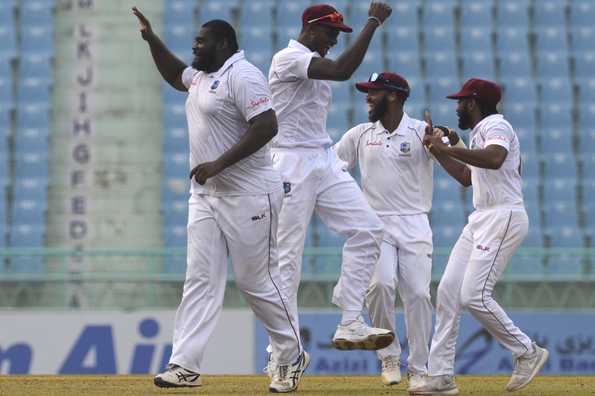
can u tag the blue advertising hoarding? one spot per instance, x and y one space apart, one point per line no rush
569 336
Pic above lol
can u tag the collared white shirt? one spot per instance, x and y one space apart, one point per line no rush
396 168
218 108
301 104
497 187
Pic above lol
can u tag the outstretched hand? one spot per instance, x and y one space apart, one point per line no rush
144 24
433 136
379 10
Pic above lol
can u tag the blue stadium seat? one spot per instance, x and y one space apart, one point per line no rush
33 116
560 214
8 47
519 90
440 64
175 187
477 38
175 139
558 165
444 113
329 238
549 13
176 164
582 13
440 38
534 237
445 236
36 66
286 33
530 164
553 64
588 167
445 187
584 64
178 36
182 12
406 63
32 164
35 13
33 91
586 90
289 13
439 88
437 13
556 90
565 236
175 212
32 139
27 235
551 38
337 122
558 115
406 13
254 12
479 64
512 39
477 13
37 40
448 213
515 64
401 38
560 192
414 108
175 236
512 13
582 38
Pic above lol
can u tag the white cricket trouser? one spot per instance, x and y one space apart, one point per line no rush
476 262
318 180
243 228
405 264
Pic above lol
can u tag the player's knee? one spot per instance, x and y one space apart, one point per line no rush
419 294
470 298
382 287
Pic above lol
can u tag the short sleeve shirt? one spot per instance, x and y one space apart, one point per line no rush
218 108
396 168
301 104
503 186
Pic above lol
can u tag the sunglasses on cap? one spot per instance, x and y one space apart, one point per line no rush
375 77
334 17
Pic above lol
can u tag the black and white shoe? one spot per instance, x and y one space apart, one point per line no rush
177 376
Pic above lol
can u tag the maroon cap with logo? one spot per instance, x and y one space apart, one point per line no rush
484 91
385 80
324 14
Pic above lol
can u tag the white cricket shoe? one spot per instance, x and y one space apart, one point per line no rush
286 378
414 381
176 376
391 370
435 385
358 335
525 368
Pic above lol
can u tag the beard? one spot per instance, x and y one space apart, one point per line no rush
378 111
464 120
199 64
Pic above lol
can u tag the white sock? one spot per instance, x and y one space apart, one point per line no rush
349 316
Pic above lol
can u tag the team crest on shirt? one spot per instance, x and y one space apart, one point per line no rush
214 85
405 148
286 187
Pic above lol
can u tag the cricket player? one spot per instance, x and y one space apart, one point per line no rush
493 233
396 177
313 177
236 196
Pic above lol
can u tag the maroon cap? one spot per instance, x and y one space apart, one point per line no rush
483 90
324 14
385 80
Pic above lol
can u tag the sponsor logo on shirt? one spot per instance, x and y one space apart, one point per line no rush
214 86
405 147
483 248
374 143
255 103
259 217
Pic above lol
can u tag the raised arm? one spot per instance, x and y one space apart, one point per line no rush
345 65
262 129
167 63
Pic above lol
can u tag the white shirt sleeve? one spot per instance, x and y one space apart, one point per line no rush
346 148
188 75
500 135
293 66
251 93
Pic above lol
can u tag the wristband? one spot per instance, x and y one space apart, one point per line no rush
375 19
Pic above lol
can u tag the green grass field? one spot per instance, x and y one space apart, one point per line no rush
257 385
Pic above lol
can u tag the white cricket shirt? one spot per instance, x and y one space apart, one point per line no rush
497 187
396 169
218 108
301 104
